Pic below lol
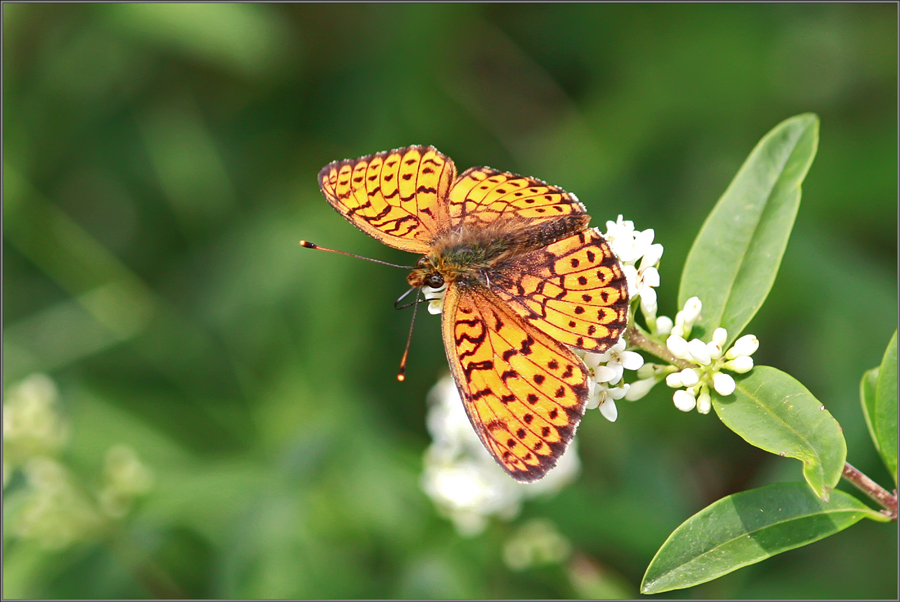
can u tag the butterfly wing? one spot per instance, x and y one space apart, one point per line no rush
398 197
573 290
524 392
483 196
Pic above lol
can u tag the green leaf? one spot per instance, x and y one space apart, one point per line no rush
884 415
736 255
867 398
775 412
748 527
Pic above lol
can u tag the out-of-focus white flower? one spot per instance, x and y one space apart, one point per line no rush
462 479
125 478
536 543
32 425
52 506
52 510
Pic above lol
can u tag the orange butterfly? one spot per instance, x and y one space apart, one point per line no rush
526 280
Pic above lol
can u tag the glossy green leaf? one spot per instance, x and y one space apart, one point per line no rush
748 527
736 255
884 416
775 412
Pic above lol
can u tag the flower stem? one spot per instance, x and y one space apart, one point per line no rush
639 340
872 489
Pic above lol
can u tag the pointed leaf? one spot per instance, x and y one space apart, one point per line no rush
733 262
748 527
884 417
775 412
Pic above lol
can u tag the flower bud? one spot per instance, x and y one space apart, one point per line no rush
699 352
674 380
746 345
664 325
684 401
704 403
688 377
720 335
740 364
714 350
639 388
723 384
678 346
692 308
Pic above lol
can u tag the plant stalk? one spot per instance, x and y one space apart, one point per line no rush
872 489
636 338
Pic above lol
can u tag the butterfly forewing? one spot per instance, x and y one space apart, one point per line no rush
397 197
483 195
524 392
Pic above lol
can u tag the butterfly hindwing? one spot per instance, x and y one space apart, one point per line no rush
398 197
524 392
573 290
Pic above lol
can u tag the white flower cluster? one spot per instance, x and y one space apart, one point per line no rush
709 360
631 246
463 480
52 506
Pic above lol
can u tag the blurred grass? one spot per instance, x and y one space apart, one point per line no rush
159 169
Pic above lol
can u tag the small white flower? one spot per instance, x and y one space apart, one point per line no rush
652 257
609 410
723 383
630 246
674 380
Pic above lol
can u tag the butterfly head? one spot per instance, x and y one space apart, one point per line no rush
427 272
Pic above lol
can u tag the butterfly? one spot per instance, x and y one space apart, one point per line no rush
526 283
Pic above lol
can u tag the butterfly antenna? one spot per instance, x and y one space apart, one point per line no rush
401 374
309 245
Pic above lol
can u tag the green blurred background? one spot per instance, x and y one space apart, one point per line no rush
160 166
